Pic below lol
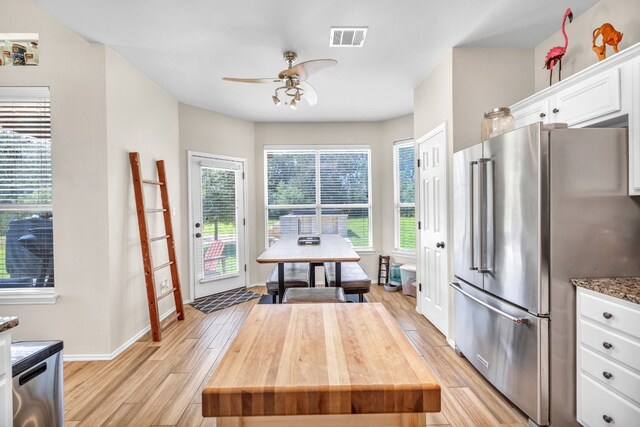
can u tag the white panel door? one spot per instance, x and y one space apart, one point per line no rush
432 241
217 225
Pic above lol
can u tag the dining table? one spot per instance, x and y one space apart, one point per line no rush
332 248
318 365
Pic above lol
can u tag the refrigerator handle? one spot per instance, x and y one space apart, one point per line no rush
471 218
516 320
486 223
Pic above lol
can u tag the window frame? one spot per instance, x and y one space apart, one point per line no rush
397 205
30 295
318 206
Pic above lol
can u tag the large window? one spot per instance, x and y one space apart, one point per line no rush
321 190
26 224
404 197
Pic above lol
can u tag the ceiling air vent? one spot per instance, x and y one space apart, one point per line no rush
348 36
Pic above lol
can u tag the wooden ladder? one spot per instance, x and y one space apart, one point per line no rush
145 240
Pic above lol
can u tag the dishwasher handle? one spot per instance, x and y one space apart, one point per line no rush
516 320
25 378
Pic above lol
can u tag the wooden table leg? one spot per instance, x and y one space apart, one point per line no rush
280 281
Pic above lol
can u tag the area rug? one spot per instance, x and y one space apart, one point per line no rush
268 299
224 299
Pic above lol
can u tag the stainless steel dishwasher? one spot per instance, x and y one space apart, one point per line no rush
37 384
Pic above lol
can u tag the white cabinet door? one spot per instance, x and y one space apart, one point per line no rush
587 99
432 251
634 130
6 385
529 114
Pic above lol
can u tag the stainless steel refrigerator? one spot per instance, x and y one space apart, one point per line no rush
534 208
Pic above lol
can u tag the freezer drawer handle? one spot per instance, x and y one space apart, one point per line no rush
516 320
32 374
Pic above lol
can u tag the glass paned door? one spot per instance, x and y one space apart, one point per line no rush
217 227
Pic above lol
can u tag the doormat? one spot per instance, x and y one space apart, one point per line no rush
222 300
268 299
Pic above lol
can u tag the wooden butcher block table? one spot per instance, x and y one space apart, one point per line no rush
321 365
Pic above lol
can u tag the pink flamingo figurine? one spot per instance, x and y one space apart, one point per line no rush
555 54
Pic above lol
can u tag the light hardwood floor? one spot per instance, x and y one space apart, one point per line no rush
160 384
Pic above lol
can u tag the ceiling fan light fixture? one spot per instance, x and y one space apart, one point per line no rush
276 100
297 96
293 104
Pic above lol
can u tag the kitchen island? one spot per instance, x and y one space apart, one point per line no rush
321 364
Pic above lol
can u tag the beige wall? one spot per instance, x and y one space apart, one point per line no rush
213 133
624 15
144 118
483 79
77 81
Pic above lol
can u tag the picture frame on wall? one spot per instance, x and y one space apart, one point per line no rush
19 49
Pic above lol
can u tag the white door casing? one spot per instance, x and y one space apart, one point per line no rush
432 251
217 236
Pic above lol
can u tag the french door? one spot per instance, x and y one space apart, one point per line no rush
217 224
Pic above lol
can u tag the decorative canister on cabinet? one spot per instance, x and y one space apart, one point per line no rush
496 122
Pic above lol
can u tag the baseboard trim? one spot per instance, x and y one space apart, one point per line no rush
116 352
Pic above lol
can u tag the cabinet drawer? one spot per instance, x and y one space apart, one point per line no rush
621 349
594 97
597 403
611 314
611 374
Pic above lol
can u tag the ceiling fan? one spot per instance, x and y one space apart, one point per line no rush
294 79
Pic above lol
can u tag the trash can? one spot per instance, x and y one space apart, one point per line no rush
408 277
395 278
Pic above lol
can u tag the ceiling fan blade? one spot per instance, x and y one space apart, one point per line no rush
239 80
310 94
304 69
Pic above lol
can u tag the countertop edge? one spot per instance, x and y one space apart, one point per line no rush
8 322
623 288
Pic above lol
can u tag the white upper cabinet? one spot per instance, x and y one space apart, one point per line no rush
605 94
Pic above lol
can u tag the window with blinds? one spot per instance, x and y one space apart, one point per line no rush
404 197
319 190
26 214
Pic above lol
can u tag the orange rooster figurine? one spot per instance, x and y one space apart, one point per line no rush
555 54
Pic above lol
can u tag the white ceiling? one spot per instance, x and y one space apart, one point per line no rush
186 47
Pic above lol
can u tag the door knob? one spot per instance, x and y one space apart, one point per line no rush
556 111
197 225
543 115
440 245
198 235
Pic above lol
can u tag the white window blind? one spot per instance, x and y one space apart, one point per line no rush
26 223
404 197
319 190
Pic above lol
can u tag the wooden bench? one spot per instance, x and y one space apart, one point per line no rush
314 295
353 279
296 275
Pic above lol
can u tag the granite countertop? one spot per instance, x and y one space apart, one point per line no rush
8 322
624 288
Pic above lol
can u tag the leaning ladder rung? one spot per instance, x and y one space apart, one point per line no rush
161 266
155 239
154 210
169 292
152 182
